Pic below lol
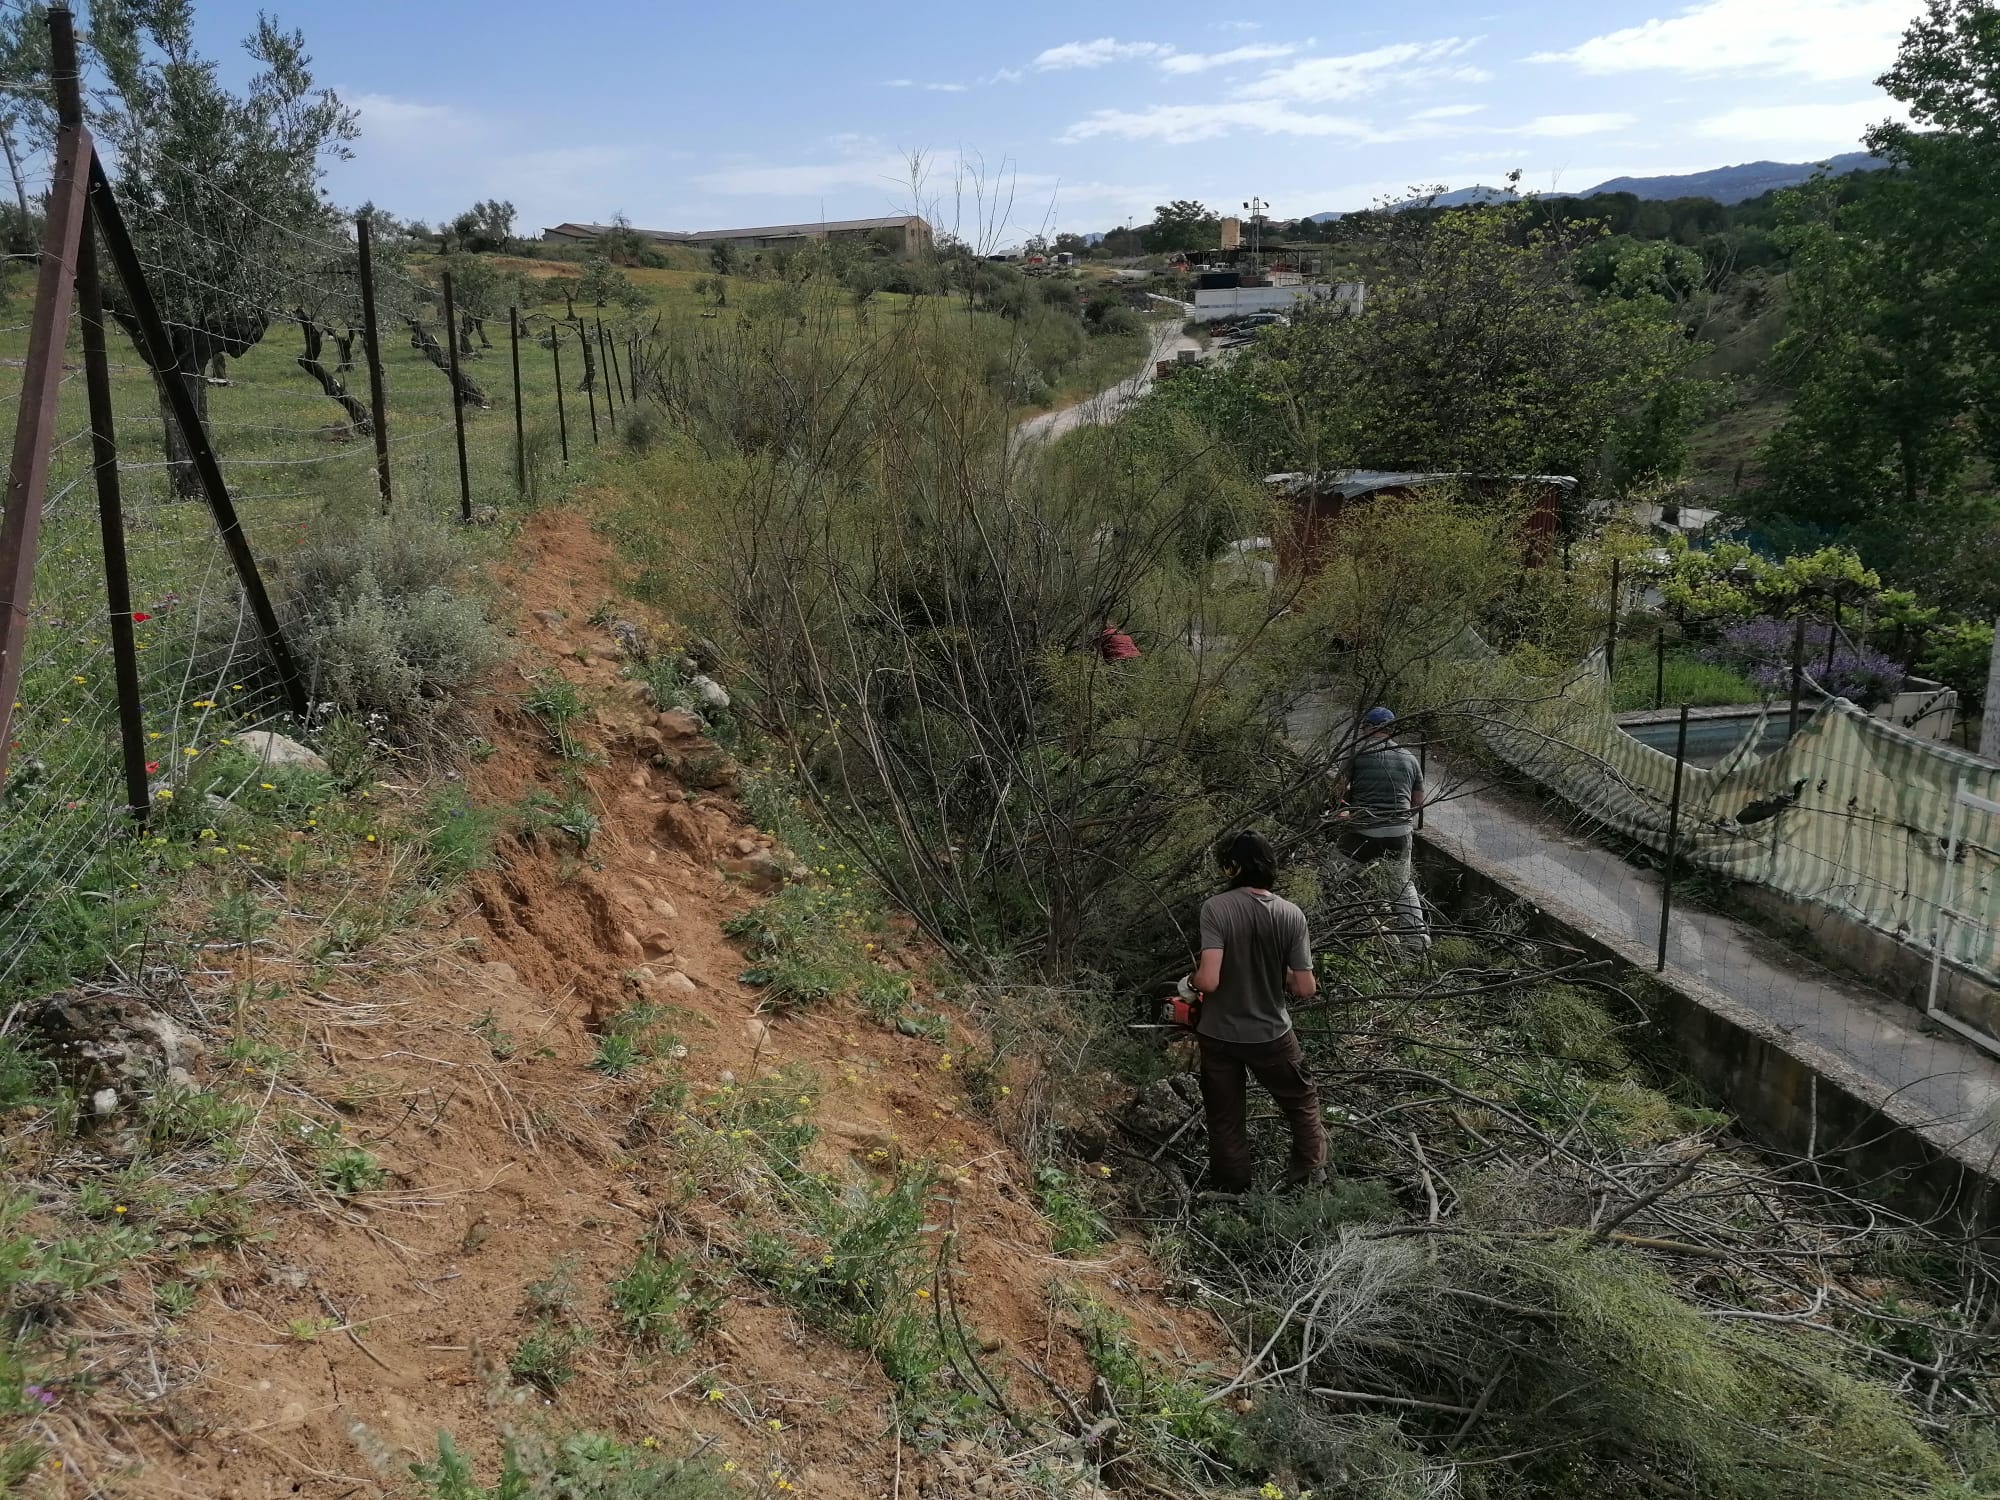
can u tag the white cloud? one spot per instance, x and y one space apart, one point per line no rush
1096 54
1201 62
946 88
402 123
1177 124
1569 125
1319 80
1811 127
1448 112
886 171
934 88
1828 40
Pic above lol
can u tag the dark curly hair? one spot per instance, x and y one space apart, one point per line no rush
1247 858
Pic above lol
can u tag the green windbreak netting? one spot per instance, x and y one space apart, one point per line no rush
1852 814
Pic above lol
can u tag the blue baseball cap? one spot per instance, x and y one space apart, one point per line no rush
1377 716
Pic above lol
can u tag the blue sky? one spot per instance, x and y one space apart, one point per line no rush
1035 114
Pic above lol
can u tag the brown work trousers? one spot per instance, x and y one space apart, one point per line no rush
1280 1065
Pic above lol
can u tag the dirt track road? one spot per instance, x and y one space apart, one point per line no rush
1105 406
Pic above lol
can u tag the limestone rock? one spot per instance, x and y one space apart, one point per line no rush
279 750
663 986
101 1043
679 723
711 692
765 870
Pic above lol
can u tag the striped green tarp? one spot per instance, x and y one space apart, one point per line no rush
1852 814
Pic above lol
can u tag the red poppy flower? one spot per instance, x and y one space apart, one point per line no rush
152 766
140 617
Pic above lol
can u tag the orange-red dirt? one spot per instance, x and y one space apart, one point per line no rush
366 1328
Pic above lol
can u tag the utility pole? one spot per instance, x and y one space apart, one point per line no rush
1255 209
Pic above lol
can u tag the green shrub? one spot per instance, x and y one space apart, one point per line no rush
404 666
350 1170
804 944
460 835
179 1116
650 1298
1074 1222
546 1358
581 1466
555 700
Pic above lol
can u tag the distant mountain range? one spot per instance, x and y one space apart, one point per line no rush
1723 184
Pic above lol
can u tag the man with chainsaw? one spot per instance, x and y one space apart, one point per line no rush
1255 955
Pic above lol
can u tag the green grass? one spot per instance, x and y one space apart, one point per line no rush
1699 684
808 942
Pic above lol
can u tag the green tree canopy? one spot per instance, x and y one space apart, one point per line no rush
1476 350
1182 225
220 189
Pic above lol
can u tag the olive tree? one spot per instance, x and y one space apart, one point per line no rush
220 189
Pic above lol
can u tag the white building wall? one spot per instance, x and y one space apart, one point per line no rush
1216 303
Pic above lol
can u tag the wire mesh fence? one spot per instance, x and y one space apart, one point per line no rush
263 322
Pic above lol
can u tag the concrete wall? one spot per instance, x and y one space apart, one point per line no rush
1888 963
1786 1094
1214 303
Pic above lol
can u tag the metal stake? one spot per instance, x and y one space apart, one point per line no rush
111 525
1673 836
604 360
562 419
159 353
41 379
520 432
457 403
1611 628
378 403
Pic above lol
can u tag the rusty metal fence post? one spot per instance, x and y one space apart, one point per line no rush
457 402
111 526
158 350
378 404
520 431
605 361
41 379
562 418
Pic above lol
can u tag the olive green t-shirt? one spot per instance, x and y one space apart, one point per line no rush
1261 936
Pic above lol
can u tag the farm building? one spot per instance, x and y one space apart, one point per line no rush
1309 536
901 234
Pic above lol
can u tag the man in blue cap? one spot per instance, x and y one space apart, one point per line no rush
1385 787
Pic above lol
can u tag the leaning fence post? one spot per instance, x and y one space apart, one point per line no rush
457 402
104 451
378 405
562 419
111 525
589 378
618 378
520 432
41 379
1611 628
201 452
1660 666
604 359
1673 836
